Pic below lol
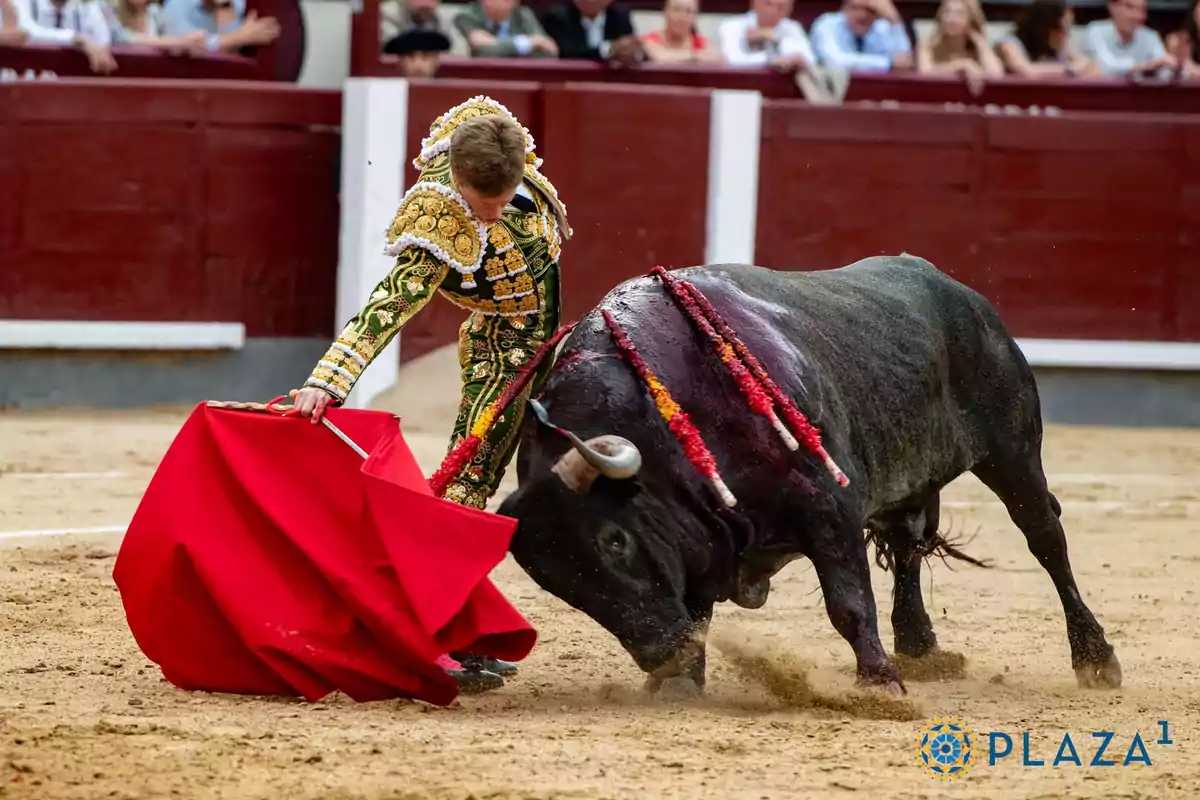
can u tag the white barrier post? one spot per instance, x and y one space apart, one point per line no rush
374 135
735 125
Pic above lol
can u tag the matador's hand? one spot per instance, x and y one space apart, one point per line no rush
311 402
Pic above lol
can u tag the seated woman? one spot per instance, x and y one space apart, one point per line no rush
958 44
1184 44
678 41
1040 46
141 22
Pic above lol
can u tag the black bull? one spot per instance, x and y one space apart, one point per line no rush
911 378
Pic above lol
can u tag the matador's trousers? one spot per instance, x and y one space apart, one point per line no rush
492 350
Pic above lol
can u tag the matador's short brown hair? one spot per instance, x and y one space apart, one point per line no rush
488 154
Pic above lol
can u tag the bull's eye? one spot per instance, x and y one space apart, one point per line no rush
614 541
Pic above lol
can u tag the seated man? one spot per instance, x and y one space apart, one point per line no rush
594 29
68 26
865 36
419 50
226 22
401 16
1123 46
503 28
766 35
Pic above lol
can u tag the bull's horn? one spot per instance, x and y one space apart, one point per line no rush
611 456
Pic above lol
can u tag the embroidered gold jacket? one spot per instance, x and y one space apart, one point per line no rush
440 247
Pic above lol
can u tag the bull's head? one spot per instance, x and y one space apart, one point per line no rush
594 534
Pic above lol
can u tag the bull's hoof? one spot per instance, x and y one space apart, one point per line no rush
936 665
674 689
893 687
1104 674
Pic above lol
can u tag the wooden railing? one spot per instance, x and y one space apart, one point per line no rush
1007 95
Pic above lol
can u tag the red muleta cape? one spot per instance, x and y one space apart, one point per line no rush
267 557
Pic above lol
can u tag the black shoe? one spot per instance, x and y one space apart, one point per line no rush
486 663
476 681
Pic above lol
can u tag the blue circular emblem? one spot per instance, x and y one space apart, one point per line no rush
944 748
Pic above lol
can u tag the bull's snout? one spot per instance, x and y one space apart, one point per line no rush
672 654
654 656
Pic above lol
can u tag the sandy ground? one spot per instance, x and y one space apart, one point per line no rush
83 714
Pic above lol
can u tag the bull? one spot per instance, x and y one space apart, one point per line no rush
912 379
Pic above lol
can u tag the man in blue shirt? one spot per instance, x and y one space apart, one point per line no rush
229 27
865 36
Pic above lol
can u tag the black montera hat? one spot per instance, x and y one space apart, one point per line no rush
417 40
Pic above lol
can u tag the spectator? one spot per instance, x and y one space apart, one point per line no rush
599 30
11 33
1184 44
84 17
420 50
958 43
398 17
97 53
1122 45
766 35
141 22
678 41
1040 45
502 29
865 36
227 25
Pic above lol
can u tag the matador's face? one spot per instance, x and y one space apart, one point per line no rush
487 209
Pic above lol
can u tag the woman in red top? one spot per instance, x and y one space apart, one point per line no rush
678 41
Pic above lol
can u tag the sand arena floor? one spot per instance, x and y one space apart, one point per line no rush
84 715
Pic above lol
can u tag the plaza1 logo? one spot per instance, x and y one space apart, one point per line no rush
947 749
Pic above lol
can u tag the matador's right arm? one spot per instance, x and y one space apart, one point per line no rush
396 299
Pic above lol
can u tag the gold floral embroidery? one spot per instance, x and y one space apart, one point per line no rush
499 237
481 370
432 218
508 263
490 308
517 357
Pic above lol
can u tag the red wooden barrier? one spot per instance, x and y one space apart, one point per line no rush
163 200
1076 228
632 168
166 201
132 62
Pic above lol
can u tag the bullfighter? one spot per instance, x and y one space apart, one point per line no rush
483 227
